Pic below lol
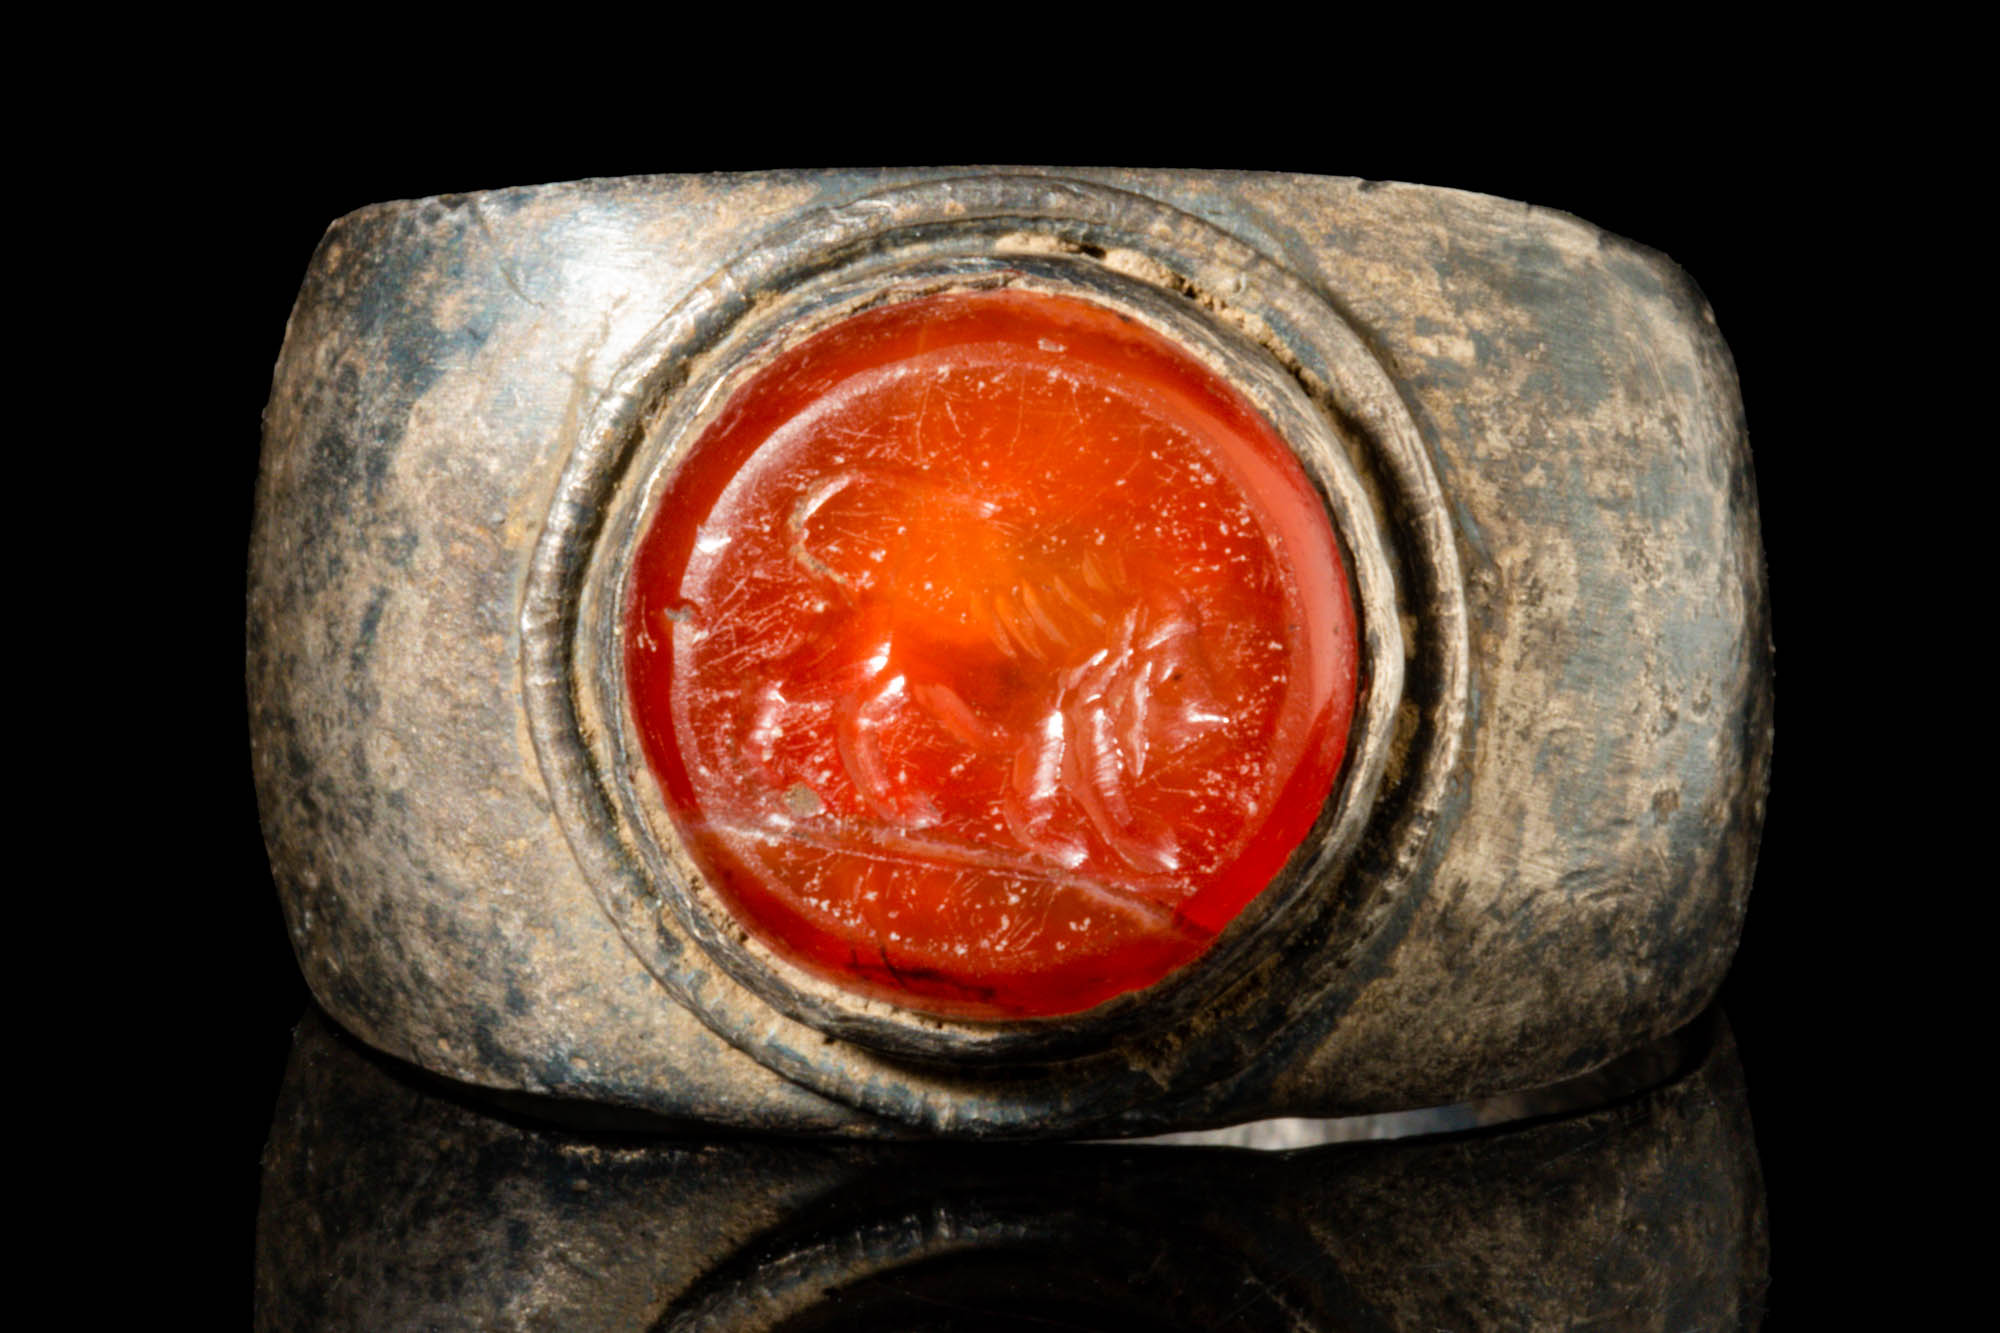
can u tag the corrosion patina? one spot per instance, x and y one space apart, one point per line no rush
1524 434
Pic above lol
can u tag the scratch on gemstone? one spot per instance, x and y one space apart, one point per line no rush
1020 404
944 856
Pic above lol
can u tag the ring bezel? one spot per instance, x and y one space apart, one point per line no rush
1222 303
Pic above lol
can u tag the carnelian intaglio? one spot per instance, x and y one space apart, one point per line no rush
991 653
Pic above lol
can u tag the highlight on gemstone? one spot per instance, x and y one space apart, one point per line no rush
991 653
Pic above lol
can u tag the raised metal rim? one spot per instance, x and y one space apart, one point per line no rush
882 1024
1299 974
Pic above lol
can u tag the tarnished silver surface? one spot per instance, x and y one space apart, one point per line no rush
1542 424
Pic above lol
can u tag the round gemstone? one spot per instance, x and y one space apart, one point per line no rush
991 653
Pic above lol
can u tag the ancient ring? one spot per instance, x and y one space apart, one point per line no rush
1005 654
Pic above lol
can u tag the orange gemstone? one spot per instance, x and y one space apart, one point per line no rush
991 653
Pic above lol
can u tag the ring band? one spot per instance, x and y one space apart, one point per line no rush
1527 437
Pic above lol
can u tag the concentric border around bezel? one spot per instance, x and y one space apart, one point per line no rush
881 1024
1132 252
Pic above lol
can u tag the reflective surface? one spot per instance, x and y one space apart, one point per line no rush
395 1201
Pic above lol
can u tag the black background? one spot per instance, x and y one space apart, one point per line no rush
1724 194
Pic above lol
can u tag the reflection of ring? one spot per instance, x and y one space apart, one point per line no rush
1526 438
1652 1203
